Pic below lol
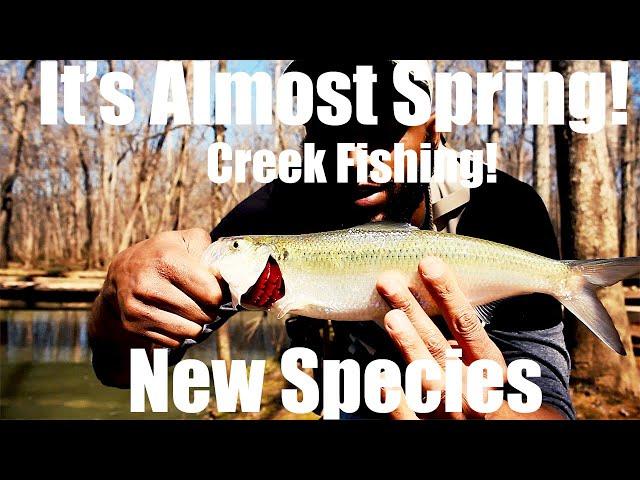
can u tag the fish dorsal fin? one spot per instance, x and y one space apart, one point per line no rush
385 226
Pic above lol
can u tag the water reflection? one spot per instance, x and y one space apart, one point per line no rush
44 336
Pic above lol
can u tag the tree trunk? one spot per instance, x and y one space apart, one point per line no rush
16 143
75 233
91 247
179 194
141 196
495 66
223 342
279 142
541 146
521 153
589 230
628 197
109 182
182 191
216 188
223 345
148 168
174 190
614 145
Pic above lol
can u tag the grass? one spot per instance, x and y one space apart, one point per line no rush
66 391
271 408
70 391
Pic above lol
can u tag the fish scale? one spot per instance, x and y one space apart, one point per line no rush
338 270
332 275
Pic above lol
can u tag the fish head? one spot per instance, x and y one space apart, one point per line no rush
240 261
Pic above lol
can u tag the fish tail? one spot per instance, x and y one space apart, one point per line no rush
581 299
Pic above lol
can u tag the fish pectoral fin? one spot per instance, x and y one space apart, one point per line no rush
236 295
285 306
380 322
487 311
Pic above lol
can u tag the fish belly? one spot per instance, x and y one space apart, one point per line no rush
355 297
336 297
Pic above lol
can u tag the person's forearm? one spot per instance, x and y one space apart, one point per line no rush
110 355
545 412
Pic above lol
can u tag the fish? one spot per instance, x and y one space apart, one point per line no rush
332 275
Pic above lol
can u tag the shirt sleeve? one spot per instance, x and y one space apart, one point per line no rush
546 347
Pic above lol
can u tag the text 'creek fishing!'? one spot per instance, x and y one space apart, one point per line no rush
379 166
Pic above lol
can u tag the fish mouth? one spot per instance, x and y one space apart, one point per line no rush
268 289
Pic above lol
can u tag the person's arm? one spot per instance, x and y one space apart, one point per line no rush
157 294
545 412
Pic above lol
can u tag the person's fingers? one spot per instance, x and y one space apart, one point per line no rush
405 336
172 324
162 340
194 279
394 290
167 296
370 184
403 411
146 319
407 340
372 194
458 312
392 286
376 199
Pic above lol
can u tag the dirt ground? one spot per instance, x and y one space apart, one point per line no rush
272 408
594 404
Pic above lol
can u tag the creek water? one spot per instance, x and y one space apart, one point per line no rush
46 373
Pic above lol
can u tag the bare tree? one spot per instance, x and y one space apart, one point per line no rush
80 193
15 156
216 189
541 146
612 131
175 192
148 166
279 142
90 246
628 194
223 342
589 230
495 66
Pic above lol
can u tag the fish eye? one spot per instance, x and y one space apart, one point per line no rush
236 244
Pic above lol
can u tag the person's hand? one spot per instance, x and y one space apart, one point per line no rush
417 337
157 293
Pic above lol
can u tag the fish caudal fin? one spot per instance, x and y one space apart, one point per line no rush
605 272
586 306
583 302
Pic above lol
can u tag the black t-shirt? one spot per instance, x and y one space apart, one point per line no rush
508 212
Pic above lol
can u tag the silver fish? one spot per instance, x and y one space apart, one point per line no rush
332 275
